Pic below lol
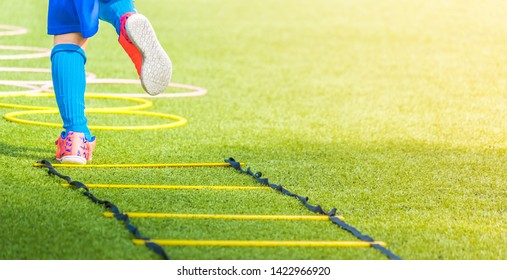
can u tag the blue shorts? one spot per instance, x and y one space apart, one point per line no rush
68 16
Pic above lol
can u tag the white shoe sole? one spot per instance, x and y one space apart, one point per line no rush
156 70
72 160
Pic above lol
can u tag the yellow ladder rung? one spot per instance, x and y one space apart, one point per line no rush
260 243
154 165
134 186
224 216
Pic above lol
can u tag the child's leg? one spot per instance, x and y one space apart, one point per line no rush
112 10
69 80
72 22
138 39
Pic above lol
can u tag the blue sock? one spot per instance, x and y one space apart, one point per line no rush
69 81
112 10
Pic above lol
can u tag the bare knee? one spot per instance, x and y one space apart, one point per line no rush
71 38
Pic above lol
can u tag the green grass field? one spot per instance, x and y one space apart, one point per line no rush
394 112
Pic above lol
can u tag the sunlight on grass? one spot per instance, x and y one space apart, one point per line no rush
394 112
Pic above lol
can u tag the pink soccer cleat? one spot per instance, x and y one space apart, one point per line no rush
138 39
74 148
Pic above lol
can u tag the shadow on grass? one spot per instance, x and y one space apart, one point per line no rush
24 152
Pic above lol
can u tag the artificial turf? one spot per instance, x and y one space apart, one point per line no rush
393 112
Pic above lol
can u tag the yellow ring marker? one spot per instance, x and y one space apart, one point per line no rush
139 165
259 243
180 121
144 103
223 188
225 217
